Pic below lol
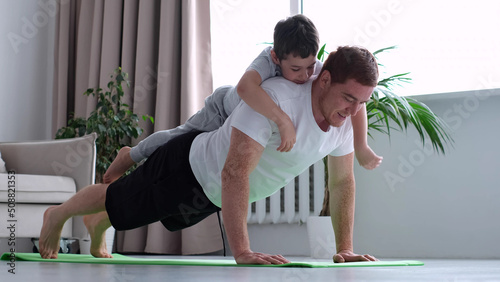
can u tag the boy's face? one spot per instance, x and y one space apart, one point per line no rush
296 68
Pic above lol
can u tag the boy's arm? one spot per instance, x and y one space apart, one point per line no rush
250 91
360 128
365 155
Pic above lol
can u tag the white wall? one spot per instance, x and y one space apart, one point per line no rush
27 54
418 204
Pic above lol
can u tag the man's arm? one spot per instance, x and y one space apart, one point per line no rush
243 156
342 188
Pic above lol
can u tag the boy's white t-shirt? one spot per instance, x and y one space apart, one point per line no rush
275 169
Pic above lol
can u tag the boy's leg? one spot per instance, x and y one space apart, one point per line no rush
119 166
89 200
127 156
209 118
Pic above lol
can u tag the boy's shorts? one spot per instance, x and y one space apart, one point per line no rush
163 189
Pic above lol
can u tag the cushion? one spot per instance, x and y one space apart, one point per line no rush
29 188
29 221
2 165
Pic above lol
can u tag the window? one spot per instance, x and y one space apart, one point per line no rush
239 29
448 46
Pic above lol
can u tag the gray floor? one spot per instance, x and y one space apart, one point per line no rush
433 270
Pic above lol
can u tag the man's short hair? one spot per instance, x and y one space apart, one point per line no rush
297 36
352 62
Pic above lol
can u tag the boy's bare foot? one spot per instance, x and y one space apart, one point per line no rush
368 159
50 234
96 225
119 166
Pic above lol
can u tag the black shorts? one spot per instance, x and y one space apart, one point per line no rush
163 189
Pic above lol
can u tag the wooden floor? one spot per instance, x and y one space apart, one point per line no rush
433 270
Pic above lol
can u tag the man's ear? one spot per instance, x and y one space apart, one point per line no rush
274 57
325 79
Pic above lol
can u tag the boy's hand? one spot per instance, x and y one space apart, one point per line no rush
287 133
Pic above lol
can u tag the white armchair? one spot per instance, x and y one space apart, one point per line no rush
41 174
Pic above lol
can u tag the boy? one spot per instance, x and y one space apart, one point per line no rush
296 43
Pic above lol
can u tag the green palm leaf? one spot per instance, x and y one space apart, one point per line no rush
386 108
403 112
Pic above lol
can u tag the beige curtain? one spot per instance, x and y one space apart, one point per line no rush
165 48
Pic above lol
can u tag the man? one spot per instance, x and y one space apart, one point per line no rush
197 174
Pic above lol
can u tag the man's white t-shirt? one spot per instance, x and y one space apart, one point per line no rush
275 169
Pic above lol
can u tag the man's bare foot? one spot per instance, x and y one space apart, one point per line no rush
368 159
119 166
50 235
96 225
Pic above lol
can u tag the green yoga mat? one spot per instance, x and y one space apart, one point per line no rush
121 259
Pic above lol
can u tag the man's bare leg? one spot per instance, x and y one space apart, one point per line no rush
97 224
119 166
89 200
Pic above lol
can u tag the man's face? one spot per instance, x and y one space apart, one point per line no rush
343 100
296 68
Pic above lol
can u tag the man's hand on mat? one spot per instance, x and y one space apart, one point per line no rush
349 256
259 258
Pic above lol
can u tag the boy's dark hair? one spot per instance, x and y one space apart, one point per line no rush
352 62
295 35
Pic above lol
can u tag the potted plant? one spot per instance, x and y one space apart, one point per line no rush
112 120
385 111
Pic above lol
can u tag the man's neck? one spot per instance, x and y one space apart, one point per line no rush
315 98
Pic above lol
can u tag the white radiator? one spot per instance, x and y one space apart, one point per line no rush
295 202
